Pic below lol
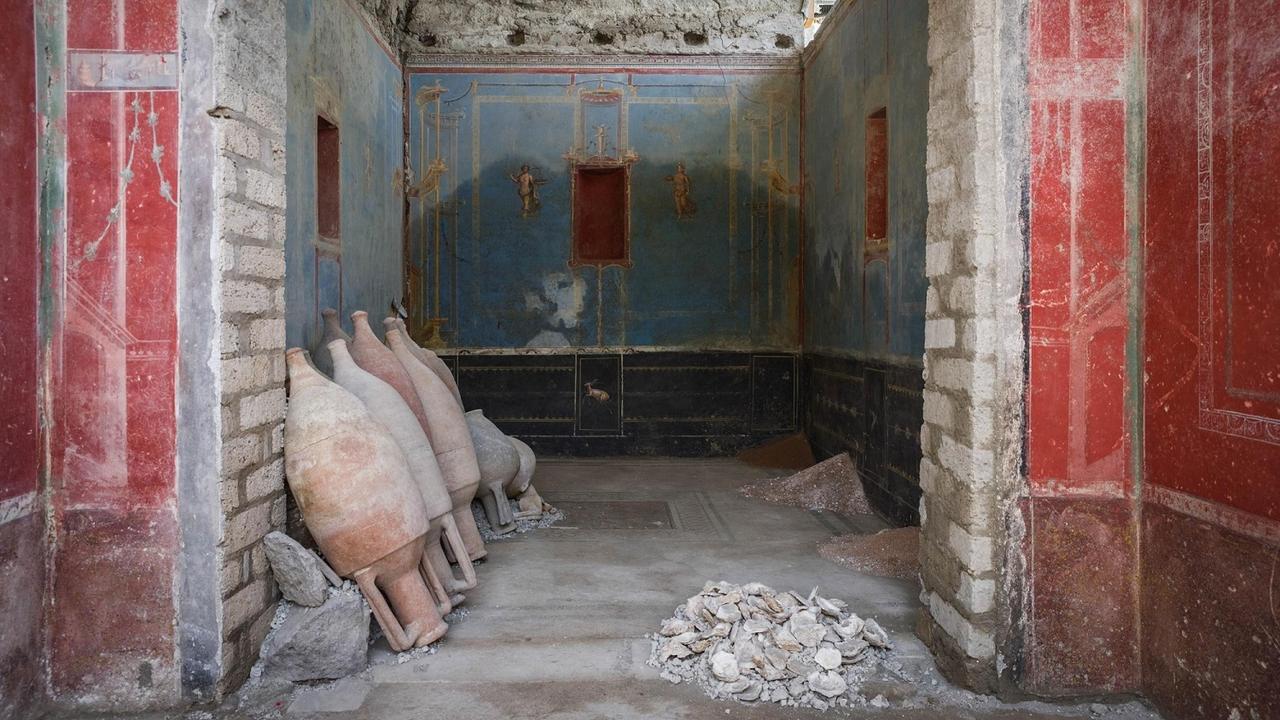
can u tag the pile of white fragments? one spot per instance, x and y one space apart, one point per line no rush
754 644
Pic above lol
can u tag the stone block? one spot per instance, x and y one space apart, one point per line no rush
266 407
297 570
319 643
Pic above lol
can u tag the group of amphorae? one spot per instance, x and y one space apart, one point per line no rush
384 462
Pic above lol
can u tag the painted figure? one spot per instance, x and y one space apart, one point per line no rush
596 393
527 187
681 190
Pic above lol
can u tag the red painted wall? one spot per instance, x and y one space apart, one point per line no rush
1213 252
1211 518
112 638
1081 544
21 526
1078 441
18 262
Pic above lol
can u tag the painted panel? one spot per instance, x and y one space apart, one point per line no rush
338 69
111 271
866 296
1212 304
19 456
713 192
1078 441
21 525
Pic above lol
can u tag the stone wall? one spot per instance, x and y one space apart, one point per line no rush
565 26
249 201
974 347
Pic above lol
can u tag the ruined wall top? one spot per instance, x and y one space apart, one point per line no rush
598 26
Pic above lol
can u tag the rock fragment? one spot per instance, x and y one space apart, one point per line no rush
299 572
319 643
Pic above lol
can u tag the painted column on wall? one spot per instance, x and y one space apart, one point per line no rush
865 106
708 163
109 269
1211 519
341 73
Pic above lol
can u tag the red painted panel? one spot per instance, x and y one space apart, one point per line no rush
1047 405
94 24
1051 28
1051 140
1212 306
877 176
1102 28
1083 612
600 215
111 630
19 456
1210 640
152 25
1101 244
1078 287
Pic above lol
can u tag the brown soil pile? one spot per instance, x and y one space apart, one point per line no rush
830 485
889 553
791 452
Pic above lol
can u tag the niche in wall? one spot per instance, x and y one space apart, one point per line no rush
875 247
328 242
600 199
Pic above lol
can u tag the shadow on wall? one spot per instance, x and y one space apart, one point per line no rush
687 284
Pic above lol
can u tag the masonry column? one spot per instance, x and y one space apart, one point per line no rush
974 339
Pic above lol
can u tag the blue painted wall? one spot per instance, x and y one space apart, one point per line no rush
337 68
869 55
487 276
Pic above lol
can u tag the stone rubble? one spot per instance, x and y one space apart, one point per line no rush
318 643
753 644
302 576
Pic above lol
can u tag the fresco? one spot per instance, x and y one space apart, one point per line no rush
869 57
339 70
556 206
108 169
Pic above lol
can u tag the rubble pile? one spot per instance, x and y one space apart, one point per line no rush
754 644
833 484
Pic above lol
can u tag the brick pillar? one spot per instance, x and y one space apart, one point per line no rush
974 348
249 222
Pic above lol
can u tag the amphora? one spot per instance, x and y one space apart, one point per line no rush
499 464
450 440
384 403
359 501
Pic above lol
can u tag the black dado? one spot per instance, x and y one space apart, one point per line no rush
685 404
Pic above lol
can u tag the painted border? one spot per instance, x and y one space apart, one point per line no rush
1211 418
1217 514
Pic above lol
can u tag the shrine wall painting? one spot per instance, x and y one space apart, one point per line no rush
647 206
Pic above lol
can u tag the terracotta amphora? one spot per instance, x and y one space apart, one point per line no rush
499 464
428 358
385 405
447 429
332 331
359 502
528 463
374 358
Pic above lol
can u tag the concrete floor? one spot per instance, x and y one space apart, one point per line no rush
557 627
